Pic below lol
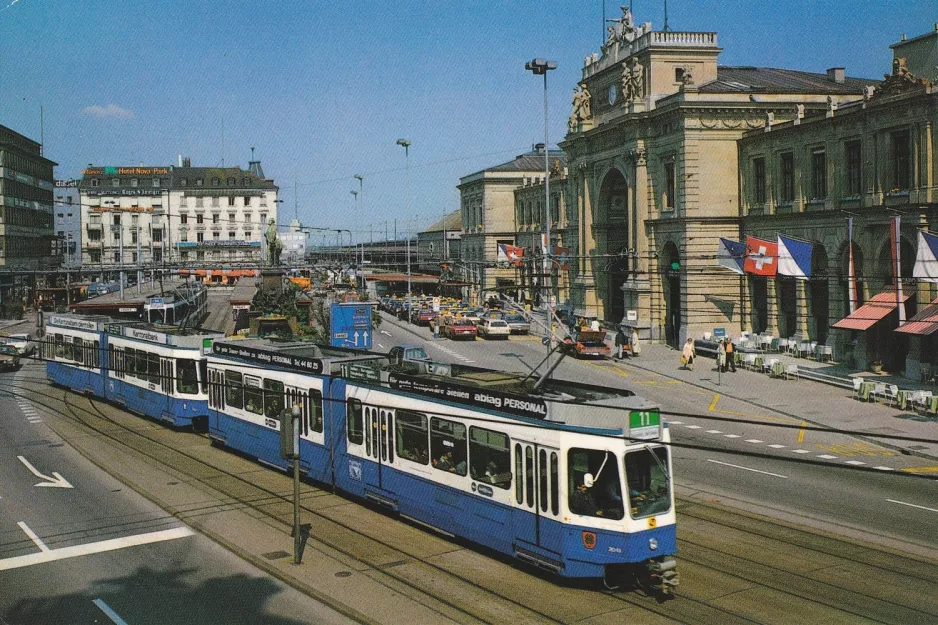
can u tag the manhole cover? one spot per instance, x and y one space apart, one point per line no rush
275 555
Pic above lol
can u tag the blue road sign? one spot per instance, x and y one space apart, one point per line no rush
719 333
350 325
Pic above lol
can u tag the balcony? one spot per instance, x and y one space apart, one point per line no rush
92 226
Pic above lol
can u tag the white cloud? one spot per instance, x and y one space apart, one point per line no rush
9 5
111 110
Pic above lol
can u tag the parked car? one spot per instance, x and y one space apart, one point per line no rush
425 316
9 358
591 344
518 324
22 343
494 329
458 328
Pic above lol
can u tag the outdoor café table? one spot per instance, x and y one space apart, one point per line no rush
905 397
866 390
778 369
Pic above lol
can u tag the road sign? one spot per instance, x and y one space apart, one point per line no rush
350 325
719 333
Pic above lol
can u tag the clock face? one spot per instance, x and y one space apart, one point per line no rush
612 94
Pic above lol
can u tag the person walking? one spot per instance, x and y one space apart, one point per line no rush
721 357
730 355
689 354
620 343
636 348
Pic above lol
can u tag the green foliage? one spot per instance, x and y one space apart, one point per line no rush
272 302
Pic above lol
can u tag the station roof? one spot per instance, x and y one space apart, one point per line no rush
772 80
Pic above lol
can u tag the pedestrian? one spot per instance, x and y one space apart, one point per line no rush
594 325
730 355
688 355
620 343
721 356
636 348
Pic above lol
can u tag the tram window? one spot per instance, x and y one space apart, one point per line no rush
127 363
253 396
542 478
315 416
490 457
448 445
370 427
67 349
96 355
78 351
59 346
390 430
234 389
203 375
604 497
273 399
554 484
186 380
153 365
141 364
529 475
647 478
412 437
519 472
355 422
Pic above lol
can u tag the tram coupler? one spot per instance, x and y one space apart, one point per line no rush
663 576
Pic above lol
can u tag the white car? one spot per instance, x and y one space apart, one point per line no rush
22 343
494 329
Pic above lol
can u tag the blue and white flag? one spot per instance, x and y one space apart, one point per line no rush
926 260
794 258
731 255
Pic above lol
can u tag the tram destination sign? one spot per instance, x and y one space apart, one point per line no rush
521 406
269 357
644 424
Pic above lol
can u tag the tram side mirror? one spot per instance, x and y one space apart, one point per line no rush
588 480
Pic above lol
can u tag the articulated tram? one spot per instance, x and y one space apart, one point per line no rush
157 371
572 478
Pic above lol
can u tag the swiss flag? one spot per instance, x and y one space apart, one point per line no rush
761 257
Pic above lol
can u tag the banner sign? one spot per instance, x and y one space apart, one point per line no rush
68 322
269 357
484 398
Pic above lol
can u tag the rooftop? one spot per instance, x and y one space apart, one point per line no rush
771 80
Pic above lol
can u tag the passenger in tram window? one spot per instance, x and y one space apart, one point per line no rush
583 502
445 462
491 472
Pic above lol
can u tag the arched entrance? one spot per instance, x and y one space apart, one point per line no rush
611 234
671 283
819 295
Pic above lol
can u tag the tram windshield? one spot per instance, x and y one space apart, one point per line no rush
593 484
646 473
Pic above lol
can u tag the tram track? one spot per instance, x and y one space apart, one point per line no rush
566 604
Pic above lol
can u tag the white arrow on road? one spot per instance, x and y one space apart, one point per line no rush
56 481
387 333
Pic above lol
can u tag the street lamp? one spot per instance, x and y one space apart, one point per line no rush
542 66
406 145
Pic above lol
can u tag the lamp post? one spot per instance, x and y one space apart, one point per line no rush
541 67
406 145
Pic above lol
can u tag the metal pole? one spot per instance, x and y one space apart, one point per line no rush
139 260
120 235
406 144
297 539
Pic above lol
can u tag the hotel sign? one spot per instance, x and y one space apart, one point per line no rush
126 171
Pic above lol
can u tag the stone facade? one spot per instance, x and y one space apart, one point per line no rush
653 174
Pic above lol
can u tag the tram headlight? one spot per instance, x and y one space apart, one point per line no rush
653 543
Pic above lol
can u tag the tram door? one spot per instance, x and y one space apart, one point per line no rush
537 492
379 441
167 377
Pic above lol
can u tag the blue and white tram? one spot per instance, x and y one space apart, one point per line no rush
156 371
573 478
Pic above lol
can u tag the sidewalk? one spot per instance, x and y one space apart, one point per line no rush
814 402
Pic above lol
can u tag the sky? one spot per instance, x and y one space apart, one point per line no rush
322 90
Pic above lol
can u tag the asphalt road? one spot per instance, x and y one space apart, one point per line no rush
76 546
829 481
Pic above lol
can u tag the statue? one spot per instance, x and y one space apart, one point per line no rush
623 32
632 84
274 244
582 107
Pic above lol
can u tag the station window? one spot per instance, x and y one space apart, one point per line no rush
356 424
412 437
490 457
253 396
448 445
187 381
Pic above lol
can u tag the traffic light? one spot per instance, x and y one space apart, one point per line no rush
290 433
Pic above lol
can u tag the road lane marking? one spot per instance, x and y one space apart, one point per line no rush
855 463
111 614
911 505
731 436
693 427
93 548
801 432
714 432
736 466
713 404
386 333
682 423
777 446
801 451
921 470
56 481
754 440
380 346
828 457
884 468
32 536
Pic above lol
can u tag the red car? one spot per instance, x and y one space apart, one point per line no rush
454 328
591 343
425 316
